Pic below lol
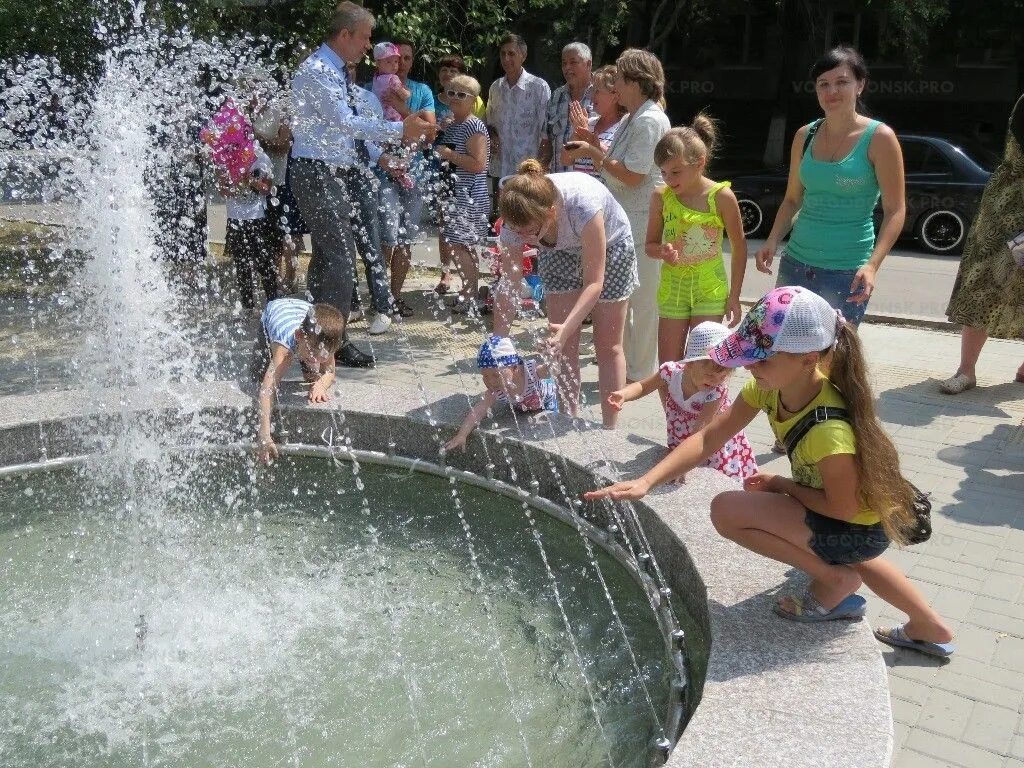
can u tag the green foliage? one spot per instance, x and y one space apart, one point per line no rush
909 24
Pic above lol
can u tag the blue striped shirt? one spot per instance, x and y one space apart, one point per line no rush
282 318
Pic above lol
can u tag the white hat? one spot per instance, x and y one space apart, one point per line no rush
701 339
787 319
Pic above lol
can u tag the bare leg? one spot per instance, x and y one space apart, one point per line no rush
469 273
971 342
671 339
400 262
447 252
609 322
559 307
889 583
772 525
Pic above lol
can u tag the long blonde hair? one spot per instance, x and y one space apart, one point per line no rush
882 486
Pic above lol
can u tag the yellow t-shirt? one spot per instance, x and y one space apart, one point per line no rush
826 439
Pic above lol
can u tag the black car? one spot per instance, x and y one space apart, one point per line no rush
945 176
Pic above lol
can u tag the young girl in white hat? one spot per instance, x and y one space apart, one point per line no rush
693 390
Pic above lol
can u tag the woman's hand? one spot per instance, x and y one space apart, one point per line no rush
318 393
617 399
445 153
578 117
761 481
863 285
626 490
733 311
555 340
765 256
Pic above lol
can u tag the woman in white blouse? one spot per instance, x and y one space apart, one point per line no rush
629 170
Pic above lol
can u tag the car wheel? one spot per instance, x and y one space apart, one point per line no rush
942 231
751 215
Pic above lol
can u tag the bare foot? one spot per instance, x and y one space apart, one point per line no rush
930 631
843 582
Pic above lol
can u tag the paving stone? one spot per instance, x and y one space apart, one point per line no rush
908 758
942 747
979 687
1000 586
946 713
905 712
1009 652
991 727
953 604
1017 746
943 578
997 621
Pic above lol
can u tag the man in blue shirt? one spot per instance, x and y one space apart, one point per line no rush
332 143
404 207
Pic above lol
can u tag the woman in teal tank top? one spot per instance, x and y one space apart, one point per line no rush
839 166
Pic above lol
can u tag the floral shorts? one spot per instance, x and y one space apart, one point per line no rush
562 271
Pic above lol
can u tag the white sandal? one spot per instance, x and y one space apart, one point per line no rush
957 384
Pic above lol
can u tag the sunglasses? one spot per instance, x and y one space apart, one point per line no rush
460 95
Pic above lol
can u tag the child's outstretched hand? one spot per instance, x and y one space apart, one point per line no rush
616 399
318 393
266 450
459 441
628 489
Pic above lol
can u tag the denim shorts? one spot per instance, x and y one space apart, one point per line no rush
833 285
840 543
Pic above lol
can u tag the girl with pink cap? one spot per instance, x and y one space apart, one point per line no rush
847 499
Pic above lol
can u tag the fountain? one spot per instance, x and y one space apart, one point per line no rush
366 601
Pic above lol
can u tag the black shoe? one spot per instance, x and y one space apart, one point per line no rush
351 357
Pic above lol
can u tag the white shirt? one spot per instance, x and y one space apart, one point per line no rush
633 146
250 204
325 126
266 125
519 114
581 198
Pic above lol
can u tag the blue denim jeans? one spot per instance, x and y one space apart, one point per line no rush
365 193
833 285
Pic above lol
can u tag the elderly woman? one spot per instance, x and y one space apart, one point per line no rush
629 170
988 296
599 130
587 262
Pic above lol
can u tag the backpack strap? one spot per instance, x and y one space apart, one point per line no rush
811 130
809 420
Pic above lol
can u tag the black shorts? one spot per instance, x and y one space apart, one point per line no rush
840 543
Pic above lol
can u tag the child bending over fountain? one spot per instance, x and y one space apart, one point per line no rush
294 328
693 390
847 500
523 384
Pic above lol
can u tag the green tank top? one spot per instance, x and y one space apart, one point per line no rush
834 228
701 232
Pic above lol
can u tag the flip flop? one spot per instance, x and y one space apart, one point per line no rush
954 385
810 611
897 638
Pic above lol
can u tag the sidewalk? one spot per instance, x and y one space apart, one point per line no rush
967 450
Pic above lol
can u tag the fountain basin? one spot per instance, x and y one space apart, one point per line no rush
760 689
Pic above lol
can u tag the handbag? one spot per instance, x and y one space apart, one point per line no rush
1016 246
921 506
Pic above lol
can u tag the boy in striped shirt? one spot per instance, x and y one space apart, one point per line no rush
293 328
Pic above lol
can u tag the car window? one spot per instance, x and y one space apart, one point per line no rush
936 162
915 153
986 158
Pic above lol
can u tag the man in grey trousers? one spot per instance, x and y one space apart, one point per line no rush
332 148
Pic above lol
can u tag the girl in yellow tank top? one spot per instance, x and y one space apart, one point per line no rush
689 217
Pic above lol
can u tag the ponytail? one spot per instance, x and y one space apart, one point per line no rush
882 486
527 197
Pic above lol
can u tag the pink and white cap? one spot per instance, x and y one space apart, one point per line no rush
787 319
385 51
